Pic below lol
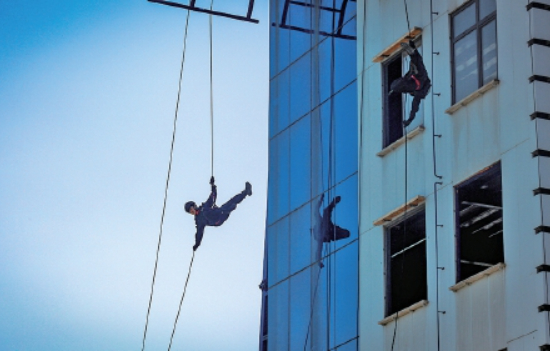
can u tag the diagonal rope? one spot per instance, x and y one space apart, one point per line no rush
167 182
181 301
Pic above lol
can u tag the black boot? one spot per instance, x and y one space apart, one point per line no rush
248 188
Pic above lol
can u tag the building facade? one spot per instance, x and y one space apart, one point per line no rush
454 217
448 218
310 287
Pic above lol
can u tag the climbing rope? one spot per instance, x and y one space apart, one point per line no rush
212 174
407 15
167 182
211 94
406 189
181 301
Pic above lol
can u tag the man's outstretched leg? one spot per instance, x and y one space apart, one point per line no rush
231 204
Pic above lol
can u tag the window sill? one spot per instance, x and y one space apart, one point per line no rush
394 214
477 277
472 97
415 132
403 312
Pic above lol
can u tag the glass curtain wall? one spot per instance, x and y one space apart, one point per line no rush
310 285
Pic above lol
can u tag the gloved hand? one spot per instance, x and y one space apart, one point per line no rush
411 44
337 199
212 180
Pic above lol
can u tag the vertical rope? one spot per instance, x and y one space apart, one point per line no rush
406 190
211 94
181 301
434 156
167 183
407 14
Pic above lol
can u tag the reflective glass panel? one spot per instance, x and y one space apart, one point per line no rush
345 294
465 66
486 7
279 173
299 17
464 20
300 162
278 313
282 251
345 132
300 309
300 88
345 63
489 51
300 239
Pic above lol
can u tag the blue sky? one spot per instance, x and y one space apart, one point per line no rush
87 97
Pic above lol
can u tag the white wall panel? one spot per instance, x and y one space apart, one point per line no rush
544 168
541 60
543 133
542 96
481 314
540 24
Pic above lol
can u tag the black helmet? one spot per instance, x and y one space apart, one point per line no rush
189 204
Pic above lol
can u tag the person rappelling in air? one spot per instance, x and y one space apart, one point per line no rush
416 82
324 230
209 214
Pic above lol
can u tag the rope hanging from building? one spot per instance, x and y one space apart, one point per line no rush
181 301
167 181
406 191
169 173
212 174
211 95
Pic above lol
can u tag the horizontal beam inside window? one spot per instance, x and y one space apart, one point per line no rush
409 247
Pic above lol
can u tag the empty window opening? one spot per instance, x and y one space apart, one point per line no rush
406 279
479 222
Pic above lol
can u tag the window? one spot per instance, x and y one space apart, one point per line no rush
474 47
406 279
397 106
479 222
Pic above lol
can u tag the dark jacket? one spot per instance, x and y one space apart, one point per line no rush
209 214
418 73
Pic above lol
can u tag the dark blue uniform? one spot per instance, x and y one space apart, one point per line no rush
209 214
416 82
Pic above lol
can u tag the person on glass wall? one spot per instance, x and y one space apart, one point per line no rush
324 230
209 214
416 82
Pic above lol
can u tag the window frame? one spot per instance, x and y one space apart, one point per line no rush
490 171
391 307
477 27
389 136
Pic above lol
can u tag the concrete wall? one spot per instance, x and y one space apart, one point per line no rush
501 310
